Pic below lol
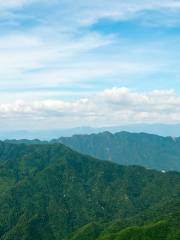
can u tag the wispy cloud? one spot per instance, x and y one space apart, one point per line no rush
88 12
32 59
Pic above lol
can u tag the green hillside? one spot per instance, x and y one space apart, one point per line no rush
150 151
50 191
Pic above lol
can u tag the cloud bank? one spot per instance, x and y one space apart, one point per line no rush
111 106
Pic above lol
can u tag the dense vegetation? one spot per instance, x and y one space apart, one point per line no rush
162 230
150 151
49 191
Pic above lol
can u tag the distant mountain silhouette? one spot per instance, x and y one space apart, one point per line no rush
158 129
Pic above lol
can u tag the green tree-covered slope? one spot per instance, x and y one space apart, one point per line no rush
49 191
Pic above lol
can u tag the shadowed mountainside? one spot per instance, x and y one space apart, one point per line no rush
150 151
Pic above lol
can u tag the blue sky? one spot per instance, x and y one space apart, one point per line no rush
67 63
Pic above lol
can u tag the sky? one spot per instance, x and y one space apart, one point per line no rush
66 63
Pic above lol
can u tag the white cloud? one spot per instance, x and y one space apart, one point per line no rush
165 101
109 107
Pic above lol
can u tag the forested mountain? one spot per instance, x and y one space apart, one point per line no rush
50 192
150 151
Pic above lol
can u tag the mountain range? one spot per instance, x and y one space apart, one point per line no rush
148 150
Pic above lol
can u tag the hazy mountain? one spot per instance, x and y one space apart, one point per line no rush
158 129
50 191
150 151
44 134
